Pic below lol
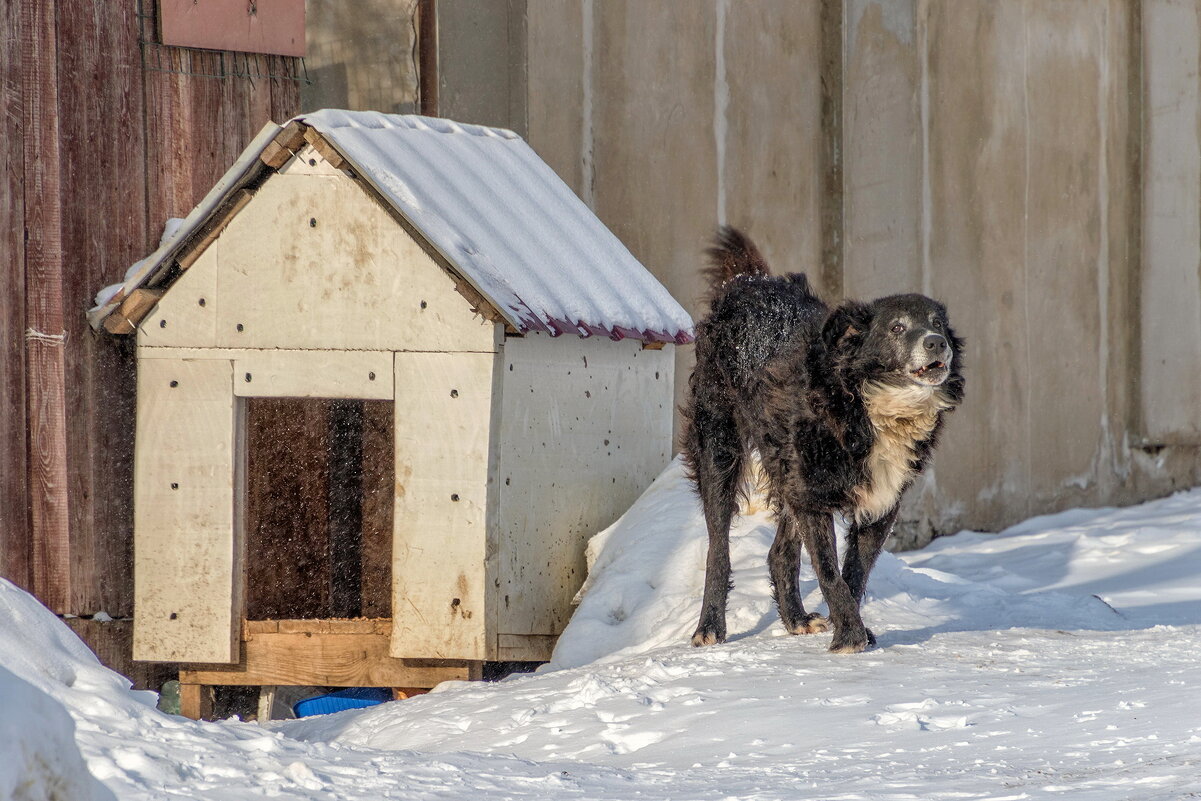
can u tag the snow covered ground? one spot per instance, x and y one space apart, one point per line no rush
1061 658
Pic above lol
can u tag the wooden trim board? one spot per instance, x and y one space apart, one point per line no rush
331 653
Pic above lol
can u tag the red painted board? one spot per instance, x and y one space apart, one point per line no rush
250 26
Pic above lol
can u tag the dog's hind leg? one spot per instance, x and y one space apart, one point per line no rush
864 544
716 456
784 561
850 636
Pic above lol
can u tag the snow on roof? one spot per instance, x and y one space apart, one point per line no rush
494 211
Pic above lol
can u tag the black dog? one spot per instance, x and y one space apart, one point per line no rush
844 407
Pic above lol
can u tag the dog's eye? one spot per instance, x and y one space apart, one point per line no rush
898 328
938 325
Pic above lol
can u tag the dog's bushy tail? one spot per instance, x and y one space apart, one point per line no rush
732 254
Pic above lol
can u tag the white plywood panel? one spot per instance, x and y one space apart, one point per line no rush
1170 383
314 374
186 553
443 404
186 316
313 262
585 427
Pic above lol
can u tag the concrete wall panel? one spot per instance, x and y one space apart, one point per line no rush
1170 380
767 129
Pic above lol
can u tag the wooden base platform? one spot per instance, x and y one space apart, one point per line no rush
322 653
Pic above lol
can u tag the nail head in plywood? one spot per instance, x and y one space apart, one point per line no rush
314 374
439 594
185 539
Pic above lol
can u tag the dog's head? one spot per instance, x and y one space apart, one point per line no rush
904 339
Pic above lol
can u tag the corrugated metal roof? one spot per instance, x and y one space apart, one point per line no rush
501 216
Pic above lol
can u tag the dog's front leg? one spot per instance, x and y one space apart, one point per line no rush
850 635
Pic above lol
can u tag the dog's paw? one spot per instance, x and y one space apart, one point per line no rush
812 623
852 643
707 637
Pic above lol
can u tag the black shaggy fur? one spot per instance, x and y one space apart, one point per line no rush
844 407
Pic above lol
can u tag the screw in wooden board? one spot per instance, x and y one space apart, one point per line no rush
454 496
371 376
312 162
424 304
241 327
201 301
248 378
162 323
174 384
312 222
174 616
454 602
454 393
174 485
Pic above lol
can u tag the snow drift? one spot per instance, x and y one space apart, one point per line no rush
1057 658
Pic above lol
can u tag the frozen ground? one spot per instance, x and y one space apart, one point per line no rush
1061 658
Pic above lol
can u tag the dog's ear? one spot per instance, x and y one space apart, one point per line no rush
847 323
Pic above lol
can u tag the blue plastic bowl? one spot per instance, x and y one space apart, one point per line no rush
350 698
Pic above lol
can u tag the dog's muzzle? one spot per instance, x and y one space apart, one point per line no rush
933 359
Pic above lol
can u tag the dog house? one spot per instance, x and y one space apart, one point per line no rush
416 324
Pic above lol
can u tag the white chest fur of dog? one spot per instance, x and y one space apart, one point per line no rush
901 417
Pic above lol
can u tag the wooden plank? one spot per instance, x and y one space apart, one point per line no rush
185 546
315 263
212 229
286 143
45 364
195 701
323 146
439 596
327 659
97 246
125 318
15 543
570 462
314 374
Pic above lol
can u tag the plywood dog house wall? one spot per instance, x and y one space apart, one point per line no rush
443 268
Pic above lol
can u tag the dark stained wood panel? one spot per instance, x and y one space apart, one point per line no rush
15 543
45 343
103 163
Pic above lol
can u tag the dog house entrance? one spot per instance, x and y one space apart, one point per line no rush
319 494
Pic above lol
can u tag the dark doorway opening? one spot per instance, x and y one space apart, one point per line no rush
319 494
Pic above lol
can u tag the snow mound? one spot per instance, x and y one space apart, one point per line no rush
41 761
647 571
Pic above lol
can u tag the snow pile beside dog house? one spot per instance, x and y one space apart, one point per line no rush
439 266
